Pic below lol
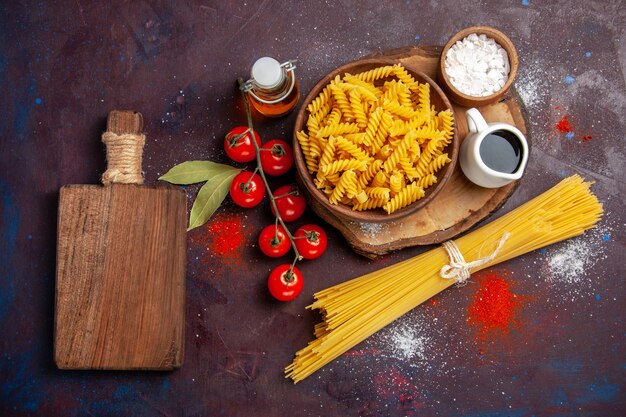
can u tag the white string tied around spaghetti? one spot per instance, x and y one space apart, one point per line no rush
460 270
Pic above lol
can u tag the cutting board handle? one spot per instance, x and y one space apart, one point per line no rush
124 141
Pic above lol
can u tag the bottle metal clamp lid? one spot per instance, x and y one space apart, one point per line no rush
267 74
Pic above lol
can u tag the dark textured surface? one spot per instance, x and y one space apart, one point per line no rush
64 65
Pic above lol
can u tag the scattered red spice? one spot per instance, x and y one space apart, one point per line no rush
390 382
227 234
494 307
224 237
586 138
563 125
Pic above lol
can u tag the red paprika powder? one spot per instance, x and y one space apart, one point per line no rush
563 125
494 306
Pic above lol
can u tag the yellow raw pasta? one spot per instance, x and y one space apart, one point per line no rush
370 204
343 165
423 93
320 100
337 129
437 163
378 192
311 162
357 108
346 182
349 147
405 197
375 74
426 181
352 311
396 182
374 140
367 175
401 151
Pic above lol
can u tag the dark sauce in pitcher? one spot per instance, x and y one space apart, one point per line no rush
501 151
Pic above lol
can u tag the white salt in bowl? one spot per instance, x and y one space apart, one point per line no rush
474 101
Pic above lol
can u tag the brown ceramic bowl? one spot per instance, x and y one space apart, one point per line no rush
318 199
472 101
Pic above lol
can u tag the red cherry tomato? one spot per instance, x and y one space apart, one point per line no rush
290 203
238 144
276 157
247 189
311 241
273 241
285 282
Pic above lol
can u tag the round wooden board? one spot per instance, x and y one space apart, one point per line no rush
459 205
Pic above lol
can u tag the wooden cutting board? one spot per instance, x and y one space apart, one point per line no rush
120 285
460 204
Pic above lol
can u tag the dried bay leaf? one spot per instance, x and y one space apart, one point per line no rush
211 196
191 172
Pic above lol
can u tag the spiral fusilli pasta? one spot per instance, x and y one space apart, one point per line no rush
374 139
406 196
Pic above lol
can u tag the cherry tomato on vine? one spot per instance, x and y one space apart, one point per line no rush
273 241
247 189
285 282
276 157
311 241
289 202
238 144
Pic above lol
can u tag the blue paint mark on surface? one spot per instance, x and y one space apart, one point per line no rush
417 38
122 402
543 251
122 57
21 388
23 106
600 391
165 385
38 100
520 412
569 79
568 366
9 225
408 2
569 136
525 2
124 391
606 237
559 397
598 297
588 54
563 173
3 67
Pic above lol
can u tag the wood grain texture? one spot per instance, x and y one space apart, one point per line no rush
121 257
460 204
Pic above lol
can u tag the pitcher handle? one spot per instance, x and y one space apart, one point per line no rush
475 121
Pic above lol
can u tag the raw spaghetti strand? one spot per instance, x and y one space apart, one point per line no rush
356 309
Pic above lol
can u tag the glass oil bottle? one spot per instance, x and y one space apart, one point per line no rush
273 88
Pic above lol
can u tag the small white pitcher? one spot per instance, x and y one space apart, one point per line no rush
472 164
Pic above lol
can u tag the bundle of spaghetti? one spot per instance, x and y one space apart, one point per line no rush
356 309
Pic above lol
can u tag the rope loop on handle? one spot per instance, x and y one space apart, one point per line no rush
124 154
460 270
